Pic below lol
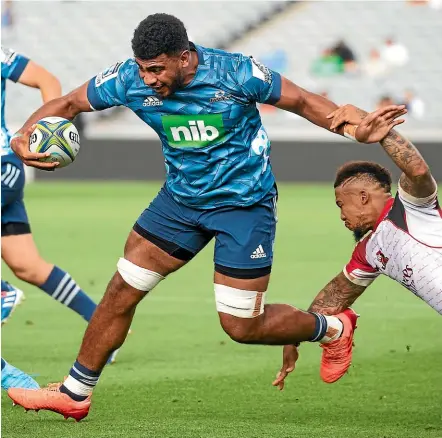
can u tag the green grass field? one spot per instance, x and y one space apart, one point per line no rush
179 375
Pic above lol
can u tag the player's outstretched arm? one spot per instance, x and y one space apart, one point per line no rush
416 178
378 127
309 105
67 106
339 294
38 77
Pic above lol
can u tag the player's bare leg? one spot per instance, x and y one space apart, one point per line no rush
20 253
113 317
245 318
144 265
279 324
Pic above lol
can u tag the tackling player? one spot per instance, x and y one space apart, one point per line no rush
400 236
202 104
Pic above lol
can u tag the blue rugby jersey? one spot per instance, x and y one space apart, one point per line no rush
215 147
13 65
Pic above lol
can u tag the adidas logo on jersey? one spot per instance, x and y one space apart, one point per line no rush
220 96
10 175
258 253
152 101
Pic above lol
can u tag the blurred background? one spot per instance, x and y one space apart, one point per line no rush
369 53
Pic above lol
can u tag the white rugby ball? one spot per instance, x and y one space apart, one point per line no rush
57 136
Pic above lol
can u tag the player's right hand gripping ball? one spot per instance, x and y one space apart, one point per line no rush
57 136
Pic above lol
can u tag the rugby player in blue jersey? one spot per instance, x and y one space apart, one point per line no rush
202 104
18 247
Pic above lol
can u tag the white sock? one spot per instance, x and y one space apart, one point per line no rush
334 329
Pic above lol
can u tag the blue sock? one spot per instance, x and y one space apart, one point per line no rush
80 382
3 363
63 288
320 327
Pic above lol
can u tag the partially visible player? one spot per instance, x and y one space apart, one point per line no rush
18 247
400 236
11 298
12 377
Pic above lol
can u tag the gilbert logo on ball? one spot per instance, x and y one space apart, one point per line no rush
59 137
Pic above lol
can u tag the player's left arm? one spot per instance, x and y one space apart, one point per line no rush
310 106
261 84
36 76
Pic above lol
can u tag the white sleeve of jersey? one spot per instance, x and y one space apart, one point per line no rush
423 217
429 202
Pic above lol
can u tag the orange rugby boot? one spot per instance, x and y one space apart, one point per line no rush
50 399
336 355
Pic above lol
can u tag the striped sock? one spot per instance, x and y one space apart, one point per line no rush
63 288
80 382
327 328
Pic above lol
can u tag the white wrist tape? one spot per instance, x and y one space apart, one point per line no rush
350 131
237 302
137 277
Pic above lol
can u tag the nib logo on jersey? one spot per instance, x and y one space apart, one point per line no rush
196 131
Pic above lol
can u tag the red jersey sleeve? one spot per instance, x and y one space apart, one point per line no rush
358 270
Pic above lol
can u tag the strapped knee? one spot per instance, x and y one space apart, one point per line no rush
237 302
137 277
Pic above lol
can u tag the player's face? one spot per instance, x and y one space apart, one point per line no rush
355 210
164 74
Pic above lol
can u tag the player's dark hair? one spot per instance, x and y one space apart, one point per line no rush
158 34
364 169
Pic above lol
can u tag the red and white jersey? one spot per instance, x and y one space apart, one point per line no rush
405 245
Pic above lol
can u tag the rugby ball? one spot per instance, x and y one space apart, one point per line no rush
57 136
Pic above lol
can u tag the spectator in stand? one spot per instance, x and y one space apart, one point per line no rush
328 64
7 25
346 54
434 4
414 104
384 101
375 67
394 53
7 18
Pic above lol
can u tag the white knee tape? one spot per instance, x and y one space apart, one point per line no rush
237 302
137 277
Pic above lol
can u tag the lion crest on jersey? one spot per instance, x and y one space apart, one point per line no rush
382 259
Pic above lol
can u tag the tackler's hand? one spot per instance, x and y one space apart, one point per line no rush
290 355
